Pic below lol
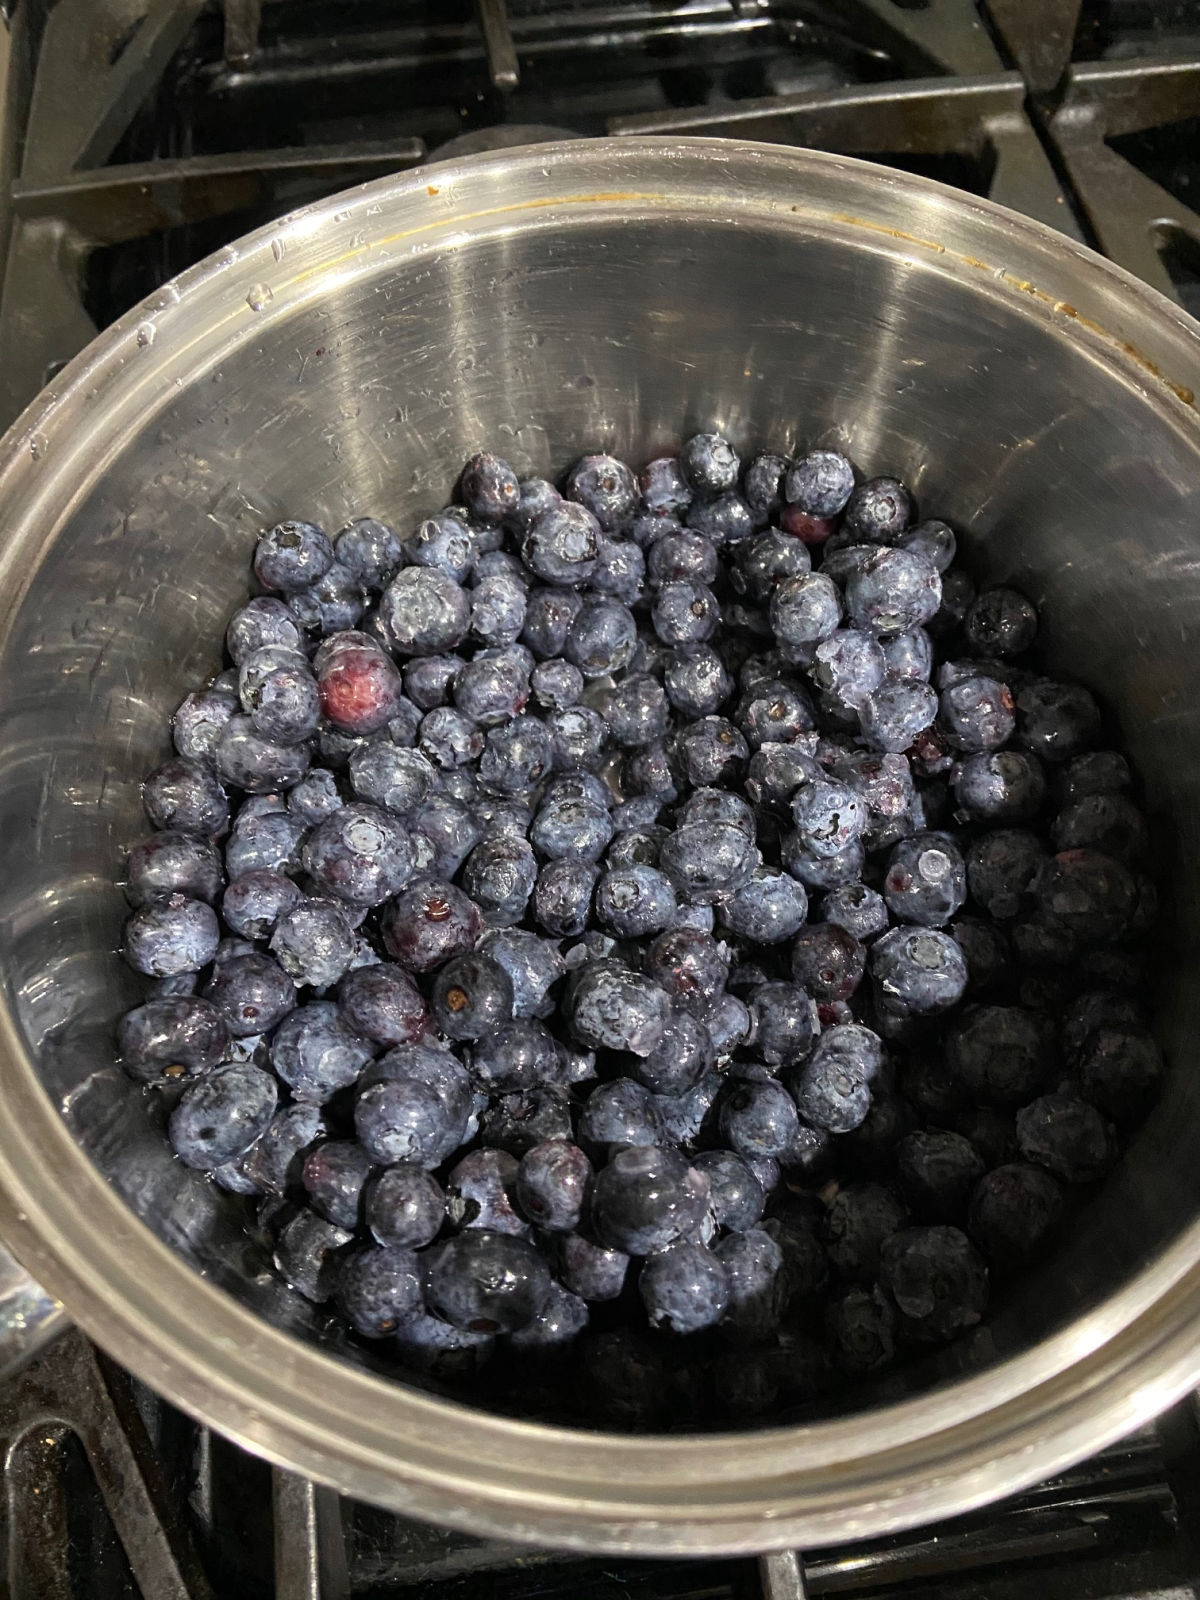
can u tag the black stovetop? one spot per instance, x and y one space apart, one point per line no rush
136 137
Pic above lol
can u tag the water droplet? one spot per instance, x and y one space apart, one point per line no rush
38 445
145 335
277 248
341 216
259 296
228 257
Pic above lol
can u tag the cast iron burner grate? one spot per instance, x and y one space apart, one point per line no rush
137 136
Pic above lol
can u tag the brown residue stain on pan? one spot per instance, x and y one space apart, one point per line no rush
1062 307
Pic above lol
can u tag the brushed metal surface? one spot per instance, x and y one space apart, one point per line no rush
592 294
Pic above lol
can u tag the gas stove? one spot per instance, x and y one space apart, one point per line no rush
137 136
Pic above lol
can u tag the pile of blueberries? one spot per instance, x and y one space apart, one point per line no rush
660 947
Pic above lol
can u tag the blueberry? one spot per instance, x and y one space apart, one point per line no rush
361 854
562 896
636 711
1087 894
763 563
173 862
221 1115
590 1270
1119 1069
860 911
429 680
833 1090
171 934
620 570
261 621
803 612
516 1055
486 1282
481 1193
898 711
316 1052
860 1327
776 771
197 724
689 966
556 684
291 556
516 757
253 903
828 961
610 1007
829 816
987 952
621 1112
646 1198
1014 1212
821 871
768 909
428 922
552 1185
275 1160
601 639
709 463
917 971
861 1218
926 879
634 901
334 1175
819 484
572 828
726 519
315 797
548 616
977 713
763 485
938 1171
489 487
499 875
708 861
382 1003
782 1023
498 605
279 694
371 550
379 1290
884 782
444 543
185 795
934 540
490 690
252 992
758 1119
578 738
308 1255
937 1280
257 765
313 942
424 612
665 490
405 1207
774 712
684 612
330 605
555 1328
171 1038
430 1346
606 487
267 842
754 1262
1000 622
877 511
1109 823
737 1197
684 1288
360 688
1067 1136
1056 720
683 557
711 751
562 545
850 664
516 1122
1000 786
407 1119
384 774
908 655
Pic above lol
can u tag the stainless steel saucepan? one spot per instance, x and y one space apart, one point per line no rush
606 294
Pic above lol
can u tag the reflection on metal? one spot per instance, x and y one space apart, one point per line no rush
944 34
242 21
1134 218
982 119
782 1576
310 1542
